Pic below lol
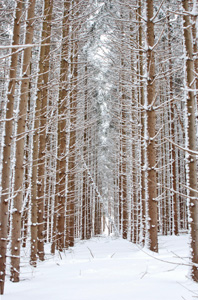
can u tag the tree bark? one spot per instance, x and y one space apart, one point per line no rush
63 113
34 202
19 169
72 139
172 131
191 136
42 138
151 123
7 147
142 117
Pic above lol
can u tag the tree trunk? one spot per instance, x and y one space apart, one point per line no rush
151 122
7 147
172 131
63 113
191 136
142 117
72 139
34 202
42 138
19 169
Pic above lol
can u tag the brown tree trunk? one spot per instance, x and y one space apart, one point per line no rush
195 47
63 113
19 169
191 135
151 122
72 139
142 113
124 170
42 138
7 147
34 202
175 204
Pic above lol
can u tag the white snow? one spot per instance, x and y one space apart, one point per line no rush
106 268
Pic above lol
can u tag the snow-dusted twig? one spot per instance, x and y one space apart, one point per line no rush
191 152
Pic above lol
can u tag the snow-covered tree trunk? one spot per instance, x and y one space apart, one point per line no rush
4 204
62 123
191 136
71 201
172 132
34 201
151 131
42 137
19 168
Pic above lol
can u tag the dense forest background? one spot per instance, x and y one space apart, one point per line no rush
98 124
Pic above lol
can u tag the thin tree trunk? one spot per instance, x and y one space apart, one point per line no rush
175 204
191 136
42 138
34 202
142 102
62 113
72 139
4 204
19 169
84 219
151 123
195 45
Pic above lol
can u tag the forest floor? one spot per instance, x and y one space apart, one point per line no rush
106 268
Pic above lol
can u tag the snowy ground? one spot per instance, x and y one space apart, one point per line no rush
109 269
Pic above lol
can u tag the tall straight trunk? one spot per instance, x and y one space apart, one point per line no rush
124 170
19 169
84 195
42 138
142 117
195 45
34 202
27 178
98 206
173 162
120 184
72 139
191 136
151 123
134 229
7 147
123 142
62 114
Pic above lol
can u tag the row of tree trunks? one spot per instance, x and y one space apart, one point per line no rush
131 176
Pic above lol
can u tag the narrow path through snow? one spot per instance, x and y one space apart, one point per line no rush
109 269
